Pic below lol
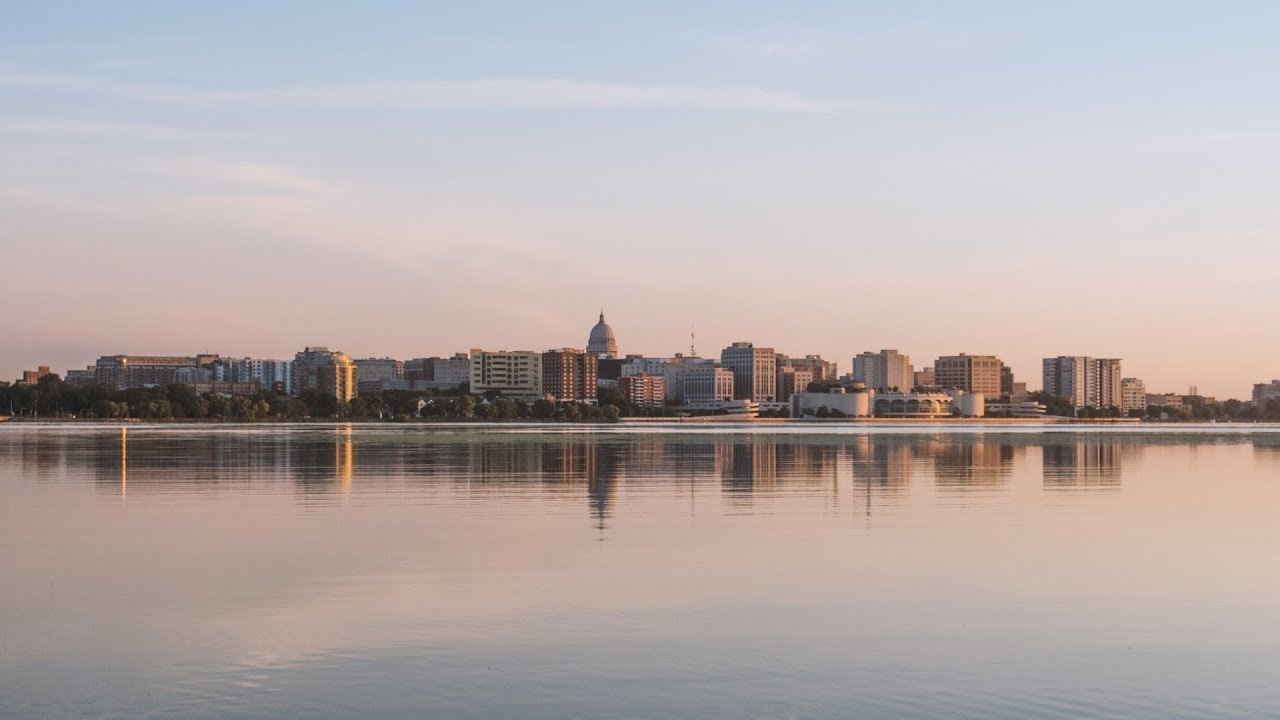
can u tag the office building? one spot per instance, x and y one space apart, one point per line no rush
792 380
925 378
974 374
319 369
672 370
707 384
601 341
570 375
885 370
821 370
512 373
644 390
1133 396
754 371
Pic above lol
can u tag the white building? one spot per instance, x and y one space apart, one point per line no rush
514 373
884 370
1133 395
602 341
705 384
449 373
673 370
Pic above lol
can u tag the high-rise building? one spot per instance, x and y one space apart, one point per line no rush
1110 383
925 378
792 380
754 371
602 342
275 375
885 370
570 375
1133 395
707 384
1006 381
970 373
514 373
1264 393
644 390
319 369
1086 381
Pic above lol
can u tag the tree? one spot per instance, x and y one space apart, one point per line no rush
465 406
1055 404
505 408
542 409
612 413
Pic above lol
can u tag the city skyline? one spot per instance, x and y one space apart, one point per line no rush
420 180
850 364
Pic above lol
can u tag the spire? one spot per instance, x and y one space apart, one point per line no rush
601 314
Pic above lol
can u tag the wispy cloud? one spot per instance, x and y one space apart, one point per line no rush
514 93
56 127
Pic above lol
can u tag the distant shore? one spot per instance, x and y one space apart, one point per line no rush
717 419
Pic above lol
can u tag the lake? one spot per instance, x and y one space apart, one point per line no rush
534 571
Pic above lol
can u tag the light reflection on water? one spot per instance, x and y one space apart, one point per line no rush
374 571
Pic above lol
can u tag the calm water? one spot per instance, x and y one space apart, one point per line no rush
339 572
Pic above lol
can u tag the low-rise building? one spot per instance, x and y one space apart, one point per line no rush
134 371
379 374
925 378
31 377
837 401
1018 409
1169 400
930 405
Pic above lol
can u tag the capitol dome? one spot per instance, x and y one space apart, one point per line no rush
602 341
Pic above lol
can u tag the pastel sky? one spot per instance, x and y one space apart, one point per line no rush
409 180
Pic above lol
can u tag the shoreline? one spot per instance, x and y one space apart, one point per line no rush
1050 421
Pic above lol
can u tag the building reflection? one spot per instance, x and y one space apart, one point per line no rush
973 463
590 471
1091 462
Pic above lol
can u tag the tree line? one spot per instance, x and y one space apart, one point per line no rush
51 397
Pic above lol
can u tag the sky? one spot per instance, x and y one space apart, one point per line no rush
420 179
